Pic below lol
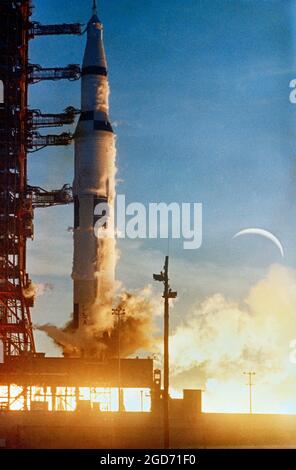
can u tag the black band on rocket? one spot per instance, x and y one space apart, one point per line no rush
102 126
94 70
98 125
87 116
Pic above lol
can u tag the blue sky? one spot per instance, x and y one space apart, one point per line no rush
200 104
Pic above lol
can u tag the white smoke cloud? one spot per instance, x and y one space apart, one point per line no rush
33 290
43 288
222 338
228 336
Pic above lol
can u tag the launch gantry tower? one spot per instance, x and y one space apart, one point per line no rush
18 136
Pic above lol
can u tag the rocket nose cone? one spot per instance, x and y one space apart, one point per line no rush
94 52
94 26
95 20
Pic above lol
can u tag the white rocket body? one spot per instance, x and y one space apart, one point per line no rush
94 182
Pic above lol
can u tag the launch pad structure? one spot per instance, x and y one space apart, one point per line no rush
16 216
19 136
38 393
26 374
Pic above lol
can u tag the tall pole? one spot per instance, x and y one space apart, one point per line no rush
167 294
166 367
119 312
250 384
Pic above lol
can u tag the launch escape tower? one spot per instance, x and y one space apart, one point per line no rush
19 136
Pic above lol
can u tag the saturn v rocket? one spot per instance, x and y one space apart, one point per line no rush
94 184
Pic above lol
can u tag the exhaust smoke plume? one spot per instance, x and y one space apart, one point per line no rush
99 338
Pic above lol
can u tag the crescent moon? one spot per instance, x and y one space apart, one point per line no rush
262 233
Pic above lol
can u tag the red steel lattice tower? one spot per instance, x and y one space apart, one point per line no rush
18 136
16 212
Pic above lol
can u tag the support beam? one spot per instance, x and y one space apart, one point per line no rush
38 29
